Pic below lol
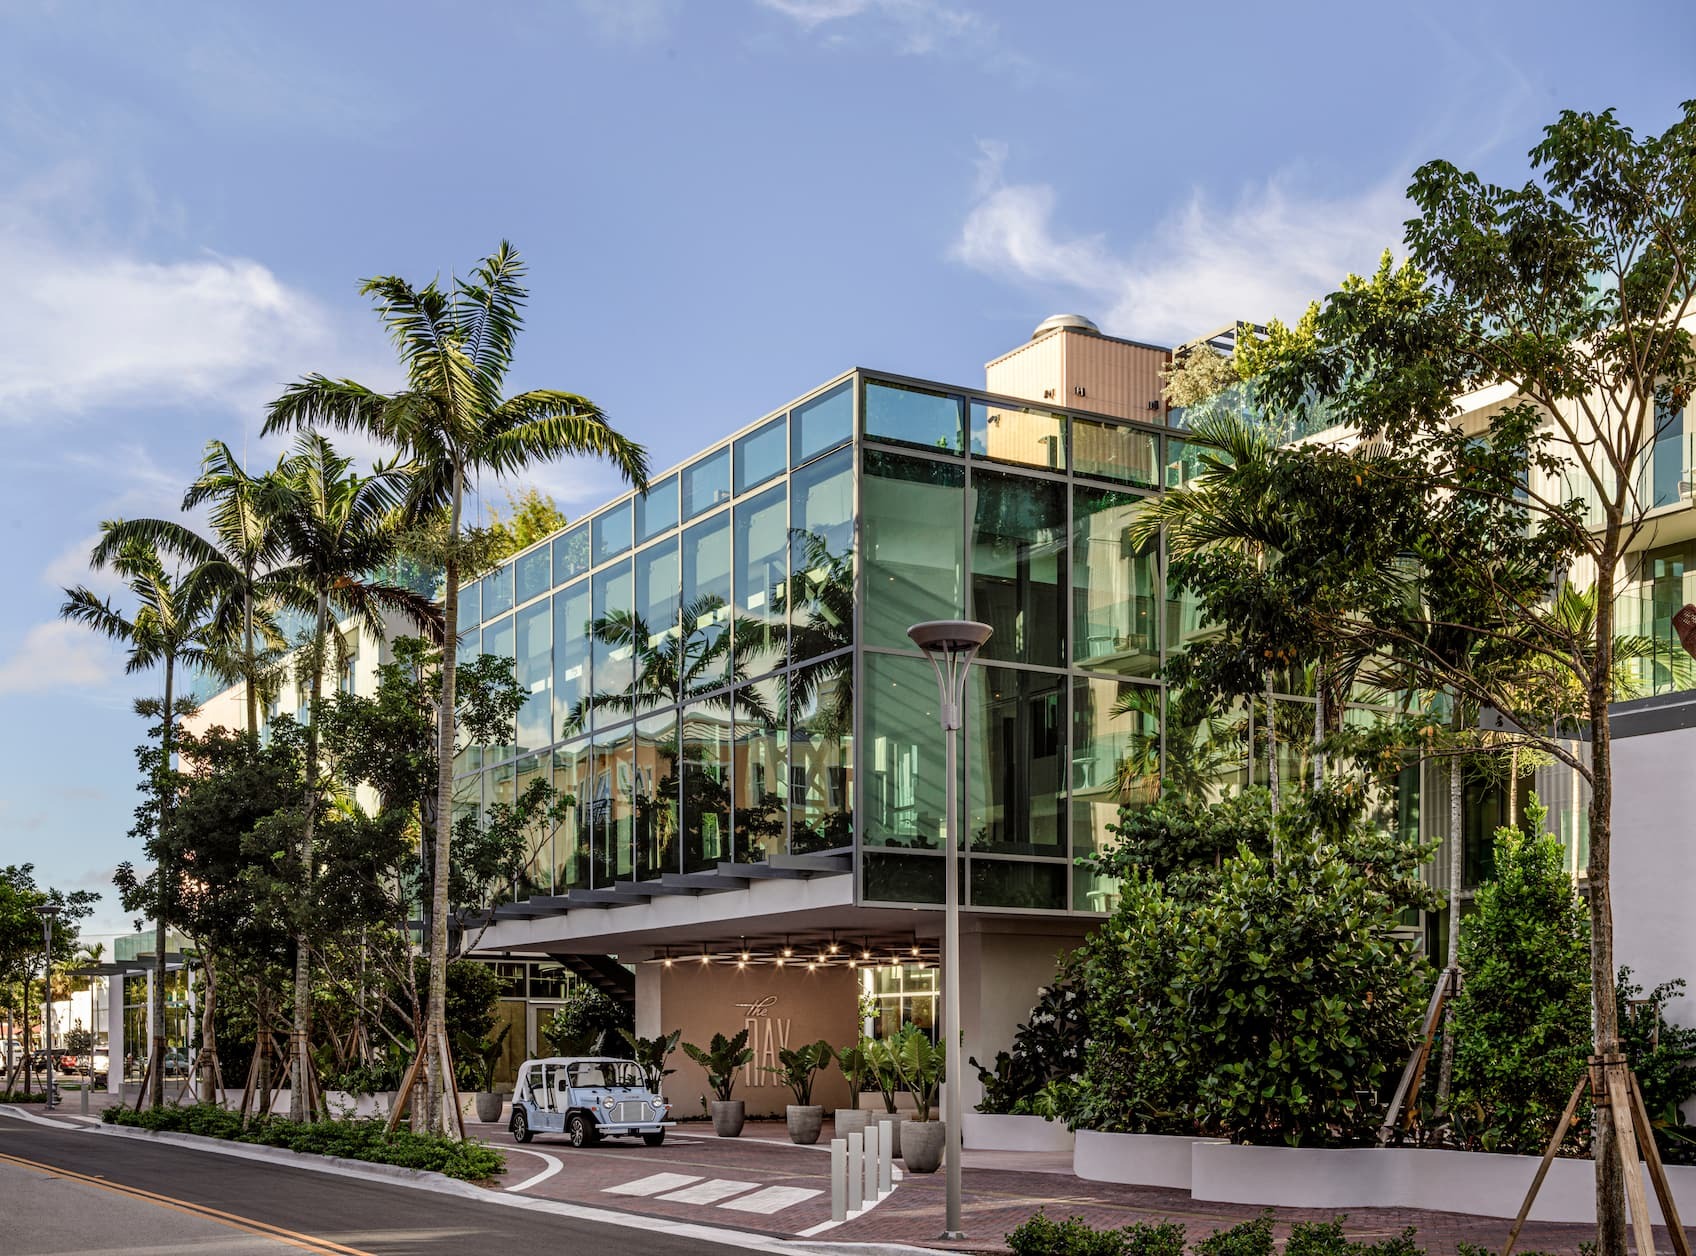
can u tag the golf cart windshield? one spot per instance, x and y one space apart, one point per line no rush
608 1073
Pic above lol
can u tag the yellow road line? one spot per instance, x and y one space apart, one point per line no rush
264 1229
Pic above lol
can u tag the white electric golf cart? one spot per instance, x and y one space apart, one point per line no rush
586 1099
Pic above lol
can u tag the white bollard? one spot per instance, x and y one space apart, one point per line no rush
839 1179
874 1156
885 1167
856 1171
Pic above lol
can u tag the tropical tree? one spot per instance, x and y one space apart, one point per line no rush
334 525
451 420
172 627
239 558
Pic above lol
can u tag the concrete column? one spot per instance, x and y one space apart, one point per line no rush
1001 973
152 1029
648 1014
114 1035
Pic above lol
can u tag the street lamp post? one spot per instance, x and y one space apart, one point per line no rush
48 912
950 645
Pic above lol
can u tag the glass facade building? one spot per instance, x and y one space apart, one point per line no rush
719 671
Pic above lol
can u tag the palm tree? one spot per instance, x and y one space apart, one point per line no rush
240 556
451 421
172 627
333 526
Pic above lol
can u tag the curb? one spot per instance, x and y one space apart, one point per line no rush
425 1180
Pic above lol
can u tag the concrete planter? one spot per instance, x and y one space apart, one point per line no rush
804 1123
1136 1159
489 1104
728 1116
369 1104
995 1131
1480 1183
922 1143
848 1121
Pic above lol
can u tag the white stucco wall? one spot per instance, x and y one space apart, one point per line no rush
1654 860
1000 974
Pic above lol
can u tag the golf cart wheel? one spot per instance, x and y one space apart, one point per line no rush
654 1139
582 1130
521 1127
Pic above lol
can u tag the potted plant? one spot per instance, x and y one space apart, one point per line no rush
487 1060
721 1059
651 1054
797 1069
922 1065
880 1063
852 1061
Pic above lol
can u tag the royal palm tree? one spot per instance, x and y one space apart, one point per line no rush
240 556
171 627
333 526
450 421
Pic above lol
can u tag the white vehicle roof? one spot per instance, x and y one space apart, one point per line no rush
578 1059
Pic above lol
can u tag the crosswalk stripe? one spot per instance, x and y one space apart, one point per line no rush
653 1185
708 1192
772 1199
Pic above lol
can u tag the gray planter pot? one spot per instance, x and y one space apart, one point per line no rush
805 1123
489 1106
921 1145
890 1130
728 1116
848 1121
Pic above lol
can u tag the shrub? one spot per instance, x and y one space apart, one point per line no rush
1041 1236
366 1140
1246 1238
1522 1019
1664 1057
18 1096
1047 1052
587 1022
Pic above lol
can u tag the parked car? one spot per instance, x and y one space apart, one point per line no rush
77 1063
175 1063
587 1099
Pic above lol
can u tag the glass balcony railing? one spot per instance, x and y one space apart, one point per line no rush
1647 654
1666 478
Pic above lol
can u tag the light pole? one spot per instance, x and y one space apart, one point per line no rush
950 645
48 912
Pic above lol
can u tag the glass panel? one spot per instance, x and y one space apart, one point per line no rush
762 568
704 620
498 641
1035 438
496 590
611 531
1115 586
1183 462
1031 885
901 878
1015 753
571 553
760 455
536 876
612 657
655 626
571 844
816 425
657 512
1667 457
1019 567
611 799
821 756
760 777
1114 452
468 797
501 793
1115 762
706 482
913 533
534 574
572 617
706 786
535 676
1206 761
656 796
470 643
820 590
913 417
905 800
470 605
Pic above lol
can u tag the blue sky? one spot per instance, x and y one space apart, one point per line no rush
723 202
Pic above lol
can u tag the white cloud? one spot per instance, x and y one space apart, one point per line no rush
1267 255
56 656
914 27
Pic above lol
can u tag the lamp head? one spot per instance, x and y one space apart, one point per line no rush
48 911
949 636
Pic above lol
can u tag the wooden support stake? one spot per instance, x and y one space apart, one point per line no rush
1658 1171
1401 1108
450 1086
404 1098
147 1079
252 1081
1548 1158
1625 1138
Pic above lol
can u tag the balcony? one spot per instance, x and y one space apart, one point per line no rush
1664 482
1648 655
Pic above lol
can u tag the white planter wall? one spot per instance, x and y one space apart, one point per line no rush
1135 1159
987 1131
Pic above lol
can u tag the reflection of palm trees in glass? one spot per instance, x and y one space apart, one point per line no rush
819 597
1199 755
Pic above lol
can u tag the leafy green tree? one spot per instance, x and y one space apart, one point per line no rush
171 627
452 420
587 1022
1663 1055
1573 294
531 515
1522 1019
21 940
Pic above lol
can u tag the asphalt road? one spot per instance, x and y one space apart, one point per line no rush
69 1191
